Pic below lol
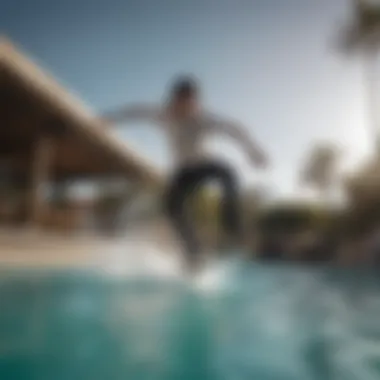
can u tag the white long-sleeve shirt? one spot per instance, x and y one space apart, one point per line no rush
186 136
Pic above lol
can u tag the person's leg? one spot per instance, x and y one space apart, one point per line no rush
230 207
179 191
183 186
231 215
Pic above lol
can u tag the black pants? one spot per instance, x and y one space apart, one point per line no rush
184 183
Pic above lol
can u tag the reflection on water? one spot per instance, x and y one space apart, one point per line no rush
265 322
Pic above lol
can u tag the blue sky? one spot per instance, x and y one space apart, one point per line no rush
269 63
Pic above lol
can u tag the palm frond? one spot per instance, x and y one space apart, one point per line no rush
363 31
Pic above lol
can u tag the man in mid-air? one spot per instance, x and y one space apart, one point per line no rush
186 125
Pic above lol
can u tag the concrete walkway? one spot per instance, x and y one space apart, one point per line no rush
136 249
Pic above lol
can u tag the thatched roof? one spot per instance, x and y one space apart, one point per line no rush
33 102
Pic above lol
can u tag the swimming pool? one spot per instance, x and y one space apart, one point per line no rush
266 322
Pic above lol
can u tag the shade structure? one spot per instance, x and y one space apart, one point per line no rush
34 106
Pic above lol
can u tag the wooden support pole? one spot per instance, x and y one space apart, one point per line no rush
39 175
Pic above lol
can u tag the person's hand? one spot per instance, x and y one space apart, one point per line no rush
259 160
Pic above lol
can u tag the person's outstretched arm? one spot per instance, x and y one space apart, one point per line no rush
237 132
130 113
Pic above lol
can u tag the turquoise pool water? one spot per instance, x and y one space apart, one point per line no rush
266 323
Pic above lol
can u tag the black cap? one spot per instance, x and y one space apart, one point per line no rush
184 87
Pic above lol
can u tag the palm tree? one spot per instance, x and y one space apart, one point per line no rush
362 36
320 168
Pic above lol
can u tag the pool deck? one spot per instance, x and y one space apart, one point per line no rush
29 248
